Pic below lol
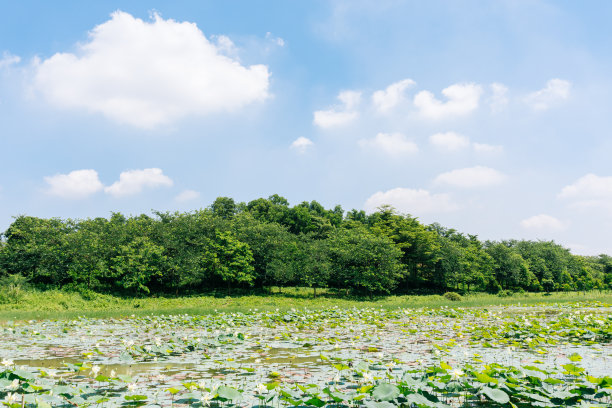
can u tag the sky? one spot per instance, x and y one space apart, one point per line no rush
493 118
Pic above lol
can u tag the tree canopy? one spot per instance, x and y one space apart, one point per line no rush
266 242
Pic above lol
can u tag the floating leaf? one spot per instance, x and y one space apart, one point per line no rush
229 393
496 395
385 392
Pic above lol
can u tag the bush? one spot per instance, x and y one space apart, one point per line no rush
12 288
505 293
453 296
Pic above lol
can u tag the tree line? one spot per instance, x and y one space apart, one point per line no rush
266 242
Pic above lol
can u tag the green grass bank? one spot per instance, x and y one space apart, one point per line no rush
56 304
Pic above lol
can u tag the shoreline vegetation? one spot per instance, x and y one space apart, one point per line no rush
241 247
59 304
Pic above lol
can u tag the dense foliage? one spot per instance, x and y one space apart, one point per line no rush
267 243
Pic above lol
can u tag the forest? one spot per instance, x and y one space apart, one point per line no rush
267 243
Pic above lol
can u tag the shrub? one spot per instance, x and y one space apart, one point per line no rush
12 288
453 296
505 293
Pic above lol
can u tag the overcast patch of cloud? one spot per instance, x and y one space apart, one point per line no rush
147 74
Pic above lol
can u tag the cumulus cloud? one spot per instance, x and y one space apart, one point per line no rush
589 186
471 177
411 201
487 148
339 115
392 144
449 141
556 90
147 74
9 59
543 222
187 195
589 191
302 144
393 95
498 100
462 99
134 181
74 185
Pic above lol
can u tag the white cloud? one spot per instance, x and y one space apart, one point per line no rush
74 185
471 177
590 186
556 90
134 181
8 59
342 114
543 222
462 99
225 46
392 144
487 148
589 191
498 100
147 74
275 40
387 99
449 141
411 201
187 195
302 144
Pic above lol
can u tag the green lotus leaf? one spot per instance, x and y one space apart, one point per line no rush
496 395
385 392
229 393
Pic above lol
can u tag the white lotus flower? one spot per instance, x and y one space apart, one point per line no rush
131 387
455 374
13 385
261 388
7 362
95 369
367 377
10 398
206 397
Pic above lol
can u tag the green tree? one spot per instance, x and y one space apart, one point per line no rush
137 264
230 260
364 262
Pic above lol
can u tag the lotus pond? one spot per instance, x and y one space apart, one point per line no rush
519 356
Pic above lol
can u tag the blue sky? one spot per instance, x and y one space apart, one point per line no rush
489 117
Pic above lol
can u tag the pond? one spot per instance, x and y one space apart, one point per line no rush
554 355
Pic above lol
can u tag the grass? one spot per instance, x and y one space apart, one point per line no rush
56 304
